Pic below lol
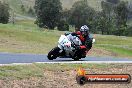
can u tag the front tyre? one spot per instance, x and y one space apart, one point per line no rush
53 54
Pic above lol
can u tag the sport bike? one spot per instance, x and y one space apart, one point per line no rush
68 49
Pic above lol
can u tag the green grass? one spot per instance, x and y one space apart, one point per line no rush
118 50
20 72
121 46
37 70
26 37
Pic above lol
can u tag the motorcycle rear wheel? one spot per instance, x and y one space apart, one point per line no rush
78 55
76 58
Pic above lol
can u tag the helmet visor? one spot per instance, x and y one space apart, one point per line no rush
84 33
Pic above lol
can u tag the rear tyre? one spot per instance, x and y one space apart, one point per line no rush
53 54
76 58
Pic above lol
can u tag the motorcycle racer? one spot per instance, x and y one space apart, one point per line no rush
72 45
83 35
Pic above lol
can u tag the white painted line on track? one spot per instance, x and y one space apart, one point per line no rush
71 62
74 62
15 64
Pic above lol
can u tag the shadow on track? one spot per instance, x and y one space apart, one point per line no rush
68 60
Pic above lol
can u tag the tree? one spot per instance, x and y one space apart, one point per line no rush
63 26
23 9
4 13
101 24
66 14
115 16
109 15
81 14
128 31
48 13
31 11
113 1
130 10
121 11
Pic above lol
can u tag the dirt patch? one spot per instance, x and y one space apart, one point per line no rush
100 52
13 45
1 83
66 78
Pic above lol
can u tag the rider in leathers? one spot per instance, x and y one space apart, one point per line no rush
83 35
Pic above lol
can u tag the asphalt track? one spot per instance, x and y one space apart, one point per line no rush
15 58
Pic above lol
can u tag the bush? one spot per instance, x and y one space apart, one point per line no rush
128 32
63 26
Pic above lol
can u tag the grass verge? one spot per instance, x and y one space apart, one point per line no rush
26 37
118 45
37 70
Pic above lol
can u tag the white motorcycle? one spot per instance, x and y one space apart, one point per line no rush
68 49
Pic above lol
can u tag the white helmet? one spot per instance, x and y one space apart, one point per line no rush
84 30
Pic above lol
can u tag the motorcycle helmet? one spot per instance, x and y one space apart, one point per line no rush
84 30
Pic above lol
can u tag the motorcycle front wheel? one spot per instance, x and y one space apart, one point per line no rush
53 54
